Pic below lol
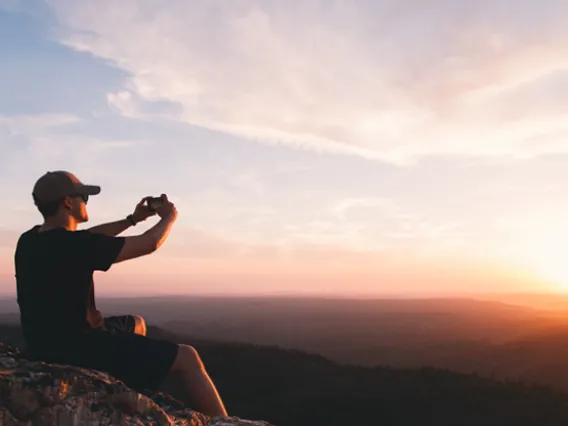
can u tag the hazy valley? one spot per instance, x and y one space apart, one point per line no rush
491 338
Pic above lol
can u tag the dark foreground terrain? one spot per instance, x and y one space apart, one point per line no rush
288 387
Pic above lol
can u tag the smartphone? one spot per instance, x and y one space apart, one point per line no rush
154 203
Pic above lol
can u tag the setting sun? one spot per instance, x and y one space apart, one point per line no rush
548 258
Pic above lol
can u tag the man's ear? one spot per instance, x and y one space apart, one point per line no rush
67 204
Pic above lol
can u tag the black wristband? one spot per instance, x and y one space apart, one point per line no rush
130 218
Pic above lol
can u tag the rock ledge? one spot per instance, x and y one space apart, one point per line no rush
41 394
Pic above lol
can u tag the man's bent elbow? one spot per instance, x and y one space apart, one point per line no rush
149 242
153 245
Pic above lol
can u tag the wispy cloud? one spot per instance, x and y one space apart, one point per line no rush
31 140
386 205
250 181
191 243
374 225
46 141
194 244
12 125
393 80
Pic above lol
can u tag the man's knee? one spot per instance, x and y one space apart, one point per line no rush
139 325
187 359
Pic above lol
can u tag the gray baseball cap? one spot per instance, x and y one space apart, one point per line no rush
57 185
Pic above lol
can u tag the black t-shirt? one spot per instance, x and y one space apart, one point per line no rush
54 278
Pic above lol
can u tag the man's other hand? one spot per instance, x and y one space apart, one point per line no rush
142 212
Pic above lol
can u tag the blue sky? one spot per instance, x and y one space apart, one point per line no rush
325 146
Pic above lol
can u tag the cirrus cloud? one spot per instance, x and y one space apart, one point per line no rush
390 80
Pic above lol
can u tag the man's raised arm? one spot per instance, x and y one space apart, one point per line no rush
153 238
112 229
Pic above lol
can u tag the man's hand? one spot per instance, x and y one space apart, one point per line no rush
167 209
142 212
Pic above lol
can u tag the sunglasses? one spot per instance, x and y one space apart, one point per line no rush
83 196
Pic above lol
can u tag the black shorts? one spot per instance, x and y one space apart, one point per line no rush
140 362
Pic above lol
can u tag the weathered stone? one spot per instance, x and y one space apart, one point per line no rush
42 394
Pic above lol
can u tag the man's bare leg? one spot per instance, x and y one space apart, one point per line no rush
198 388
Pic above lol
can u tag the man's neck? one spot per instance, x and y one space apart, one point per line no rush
66 222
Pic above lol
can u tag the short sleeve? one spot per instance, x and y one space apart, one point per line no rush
99 251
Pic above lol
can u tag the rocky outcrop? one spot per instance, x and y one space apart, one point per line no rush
41 394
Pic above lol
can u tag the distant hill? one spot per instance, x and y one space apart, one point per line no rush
492 339
289 387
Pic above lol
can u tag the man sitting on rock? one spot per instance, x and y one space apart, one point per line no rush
54 265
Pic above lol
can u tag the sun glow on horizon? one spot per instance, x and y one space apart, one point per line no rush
548 259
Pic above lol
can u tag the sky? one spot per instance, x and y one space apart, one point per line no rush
329 147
